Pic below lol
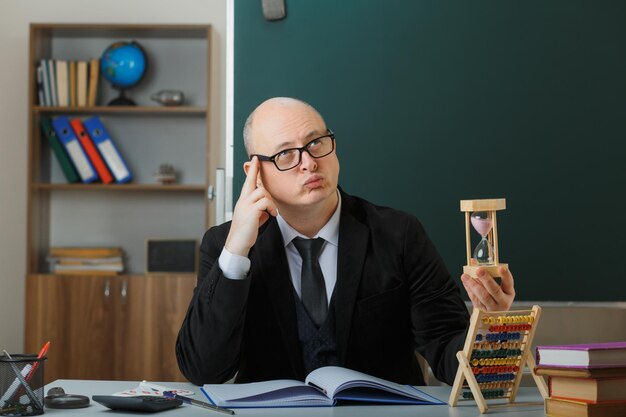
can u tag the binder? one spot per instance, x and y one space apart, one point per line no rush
108 150
91 151
66 164
78 156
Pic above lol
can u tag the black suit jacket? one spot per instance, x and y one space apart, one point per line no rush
393 296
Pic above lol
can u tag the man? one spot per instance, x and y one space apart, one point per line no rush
375 290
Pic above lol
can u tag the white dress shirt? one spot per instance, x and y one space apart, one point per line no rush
236 267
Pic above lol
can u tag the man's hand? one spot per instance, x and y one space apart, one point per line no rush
485 292
253 208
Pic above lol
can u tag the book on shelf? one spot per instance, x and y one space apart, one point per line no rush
63 90
567 408
323 387
107 269
91 151
59 151
45 80
592 390
72 78
81 83
41 100
52 82
94 74
84 252
593 355
77 260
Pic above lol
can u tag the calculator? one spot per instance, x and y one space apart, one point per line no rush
145 403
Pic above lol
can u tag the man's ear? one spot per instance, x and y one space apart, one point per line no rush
246 168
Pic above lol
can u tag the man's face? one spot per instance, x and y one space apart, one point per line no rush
313 182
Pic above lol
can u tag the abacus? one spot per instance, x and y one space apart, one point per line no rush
491 364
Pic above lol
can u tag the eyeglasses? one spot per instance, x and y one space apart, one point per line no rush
291 158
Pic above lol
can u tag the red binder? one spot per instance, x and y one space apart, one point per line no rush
92 152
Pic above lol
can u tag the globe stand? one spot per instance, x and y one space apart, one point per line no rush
122 100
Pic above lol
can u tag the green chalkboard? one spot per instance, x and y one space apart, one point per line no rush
437 101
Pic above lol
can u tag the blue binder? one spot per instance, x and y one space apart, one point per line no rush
79 158
108 150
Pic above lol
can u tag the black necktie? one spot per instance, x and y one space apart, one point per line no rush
312 279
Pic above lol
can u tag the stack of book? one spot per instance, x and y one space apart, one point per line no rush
584 380
91 261
62 83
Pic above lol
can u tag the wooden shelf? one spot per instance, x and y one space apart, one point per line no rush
122 187
123 110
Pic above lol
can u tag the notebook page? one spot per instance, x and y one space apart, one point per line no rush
334 379
262 394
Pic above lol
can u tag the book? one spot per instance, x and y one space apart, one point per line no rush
592 390
91 151
594 355
45 79
84 252
63 91
52 82
59 151
567 408
81 83
77 154
323 387
41 100
107 148
112 268
94 73
72 78
580 372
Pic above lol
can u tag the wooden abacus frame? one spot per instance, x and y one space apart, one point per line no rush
499 327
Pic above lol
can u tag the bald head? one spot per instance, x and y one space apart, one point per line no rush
273 108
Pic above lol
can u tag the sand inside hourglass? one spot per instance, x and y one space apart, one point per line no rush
483 253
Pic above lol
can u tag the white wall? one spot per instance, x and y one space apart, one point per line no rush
15 17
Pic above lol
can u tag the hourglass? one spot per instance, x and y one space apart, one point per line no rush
481 216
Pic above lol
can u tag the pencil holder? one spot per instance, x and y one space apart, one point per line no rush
21 385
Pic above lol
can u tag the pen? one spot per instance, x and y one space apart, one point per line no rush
20 377
33 368
42 353
191 401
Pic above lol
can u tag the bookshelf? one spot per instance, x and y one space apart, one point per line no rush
120 215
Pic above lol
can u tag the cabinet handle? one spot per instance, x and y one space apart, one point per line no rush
124 290
107 288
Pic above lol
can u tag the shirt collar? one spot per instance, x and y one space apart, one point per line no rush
330 231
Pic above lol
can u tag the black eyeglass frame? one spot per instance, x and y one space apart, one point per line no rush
272 158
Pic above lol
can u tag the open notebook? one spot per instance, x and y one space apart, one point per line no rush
322 387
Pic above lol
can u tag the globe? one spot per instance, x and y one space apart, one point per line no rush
123 64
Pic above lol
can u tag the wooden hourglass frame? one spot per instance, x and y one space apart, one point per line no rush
491 206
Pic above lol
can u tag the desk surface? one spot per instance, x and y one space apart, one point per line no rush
465 408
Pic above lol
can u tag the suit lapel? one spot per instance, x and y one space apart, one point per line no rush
274 270
353 241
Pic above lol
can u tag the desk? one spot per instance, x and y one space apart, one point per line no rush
465 409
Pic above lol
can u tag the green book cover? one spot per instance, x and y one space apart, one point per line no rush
57 147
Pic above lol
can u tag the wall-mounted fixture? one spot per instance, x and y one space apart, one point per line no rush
273 9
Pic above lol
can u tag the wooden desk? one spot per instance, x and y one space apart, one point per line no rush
465 409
